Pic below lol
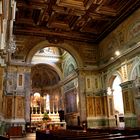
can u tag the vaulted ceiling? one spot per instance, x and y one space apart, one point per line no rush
43 76
81 20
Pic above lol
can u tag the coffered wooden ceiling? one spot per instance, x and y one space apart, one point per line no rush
81 20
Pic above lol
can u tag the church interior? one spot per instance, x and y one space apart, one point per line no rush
69 64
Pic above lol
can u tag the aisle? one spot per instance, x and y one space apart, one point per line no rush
30 136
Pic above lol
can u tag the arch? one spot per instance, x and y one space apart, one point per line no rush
64 46
117 96
112 76
118 102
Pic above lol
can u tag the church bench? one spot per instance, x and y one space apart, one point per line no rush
133 131
59 135
41 135
86 137
113 130
4 138
132 137
77 135
123 137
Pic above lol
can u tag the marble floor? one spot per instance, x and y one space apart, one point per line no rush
30 136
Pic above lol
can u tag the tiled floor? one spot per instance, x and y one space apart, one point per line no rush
30 136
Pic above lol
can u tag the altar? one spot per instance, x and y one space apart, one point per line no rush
44 114
54 123
54 117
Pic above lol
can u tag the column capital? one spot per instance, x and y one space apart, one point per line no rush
127 84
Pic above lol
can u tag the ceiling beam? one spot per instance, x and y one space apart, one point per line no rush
45 32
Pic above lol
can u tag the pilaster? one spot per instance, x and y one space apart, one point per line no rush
129 108
100 110
82 96
17 97
136 93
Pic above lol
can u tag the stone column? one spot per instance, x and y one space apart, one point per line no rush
129 108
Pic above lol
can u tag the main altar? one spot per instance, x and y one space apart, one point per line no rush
52 123
43 116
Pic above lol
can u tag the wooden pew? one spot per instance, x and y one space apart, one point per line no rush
123 137
80 135
94 137
41 135
86 137
4 138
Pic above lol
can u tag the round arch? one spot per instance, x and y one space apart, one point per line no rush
113 83
64 46
111 78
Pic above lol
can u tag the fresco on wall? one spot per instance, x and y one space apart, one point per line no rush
11 82
134 29
36 100
71 101
90 55
70 69
69 65
126 35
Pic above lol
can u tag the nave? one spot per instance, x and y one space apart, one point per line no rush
65 63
